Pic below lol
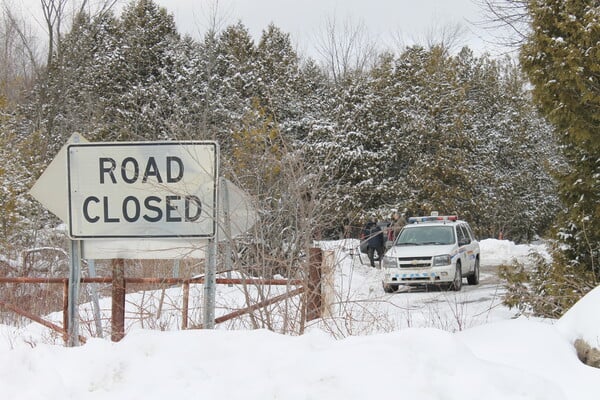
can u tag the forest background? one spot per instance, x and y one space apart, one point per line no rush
318 144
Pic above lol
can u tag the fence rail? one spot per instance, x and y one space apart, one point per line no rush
311 288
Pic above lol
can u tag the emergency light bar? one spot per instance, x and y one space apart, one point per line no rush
433 218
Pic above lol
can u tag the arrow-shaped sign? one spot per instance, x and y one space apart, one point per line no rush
52 189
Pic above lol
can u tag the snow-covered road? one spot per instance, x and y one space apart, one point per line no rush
358 292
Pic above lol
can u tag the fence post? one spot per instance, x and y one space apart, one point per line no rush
327 283
186 305
313 295
118 300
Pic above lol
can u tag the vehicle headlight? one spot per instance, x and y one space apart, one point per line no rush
441 260
389 262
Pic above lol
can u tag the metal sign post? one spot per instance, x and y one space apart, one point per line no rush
226 219
73 290
210 274
210 285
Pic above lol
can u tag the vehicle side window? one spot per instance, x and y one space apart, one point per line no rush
463 236
470 231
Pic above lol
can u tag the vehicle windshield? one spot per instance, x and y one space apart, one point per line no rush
426 235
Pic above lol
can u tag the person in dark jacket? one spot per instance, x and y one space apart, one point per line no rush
373 234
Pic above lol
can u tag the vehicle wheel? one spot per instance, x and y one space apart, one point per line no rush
390 288
473 279
456 285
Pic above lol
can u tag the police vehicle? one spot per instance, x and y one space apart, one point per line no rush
438 250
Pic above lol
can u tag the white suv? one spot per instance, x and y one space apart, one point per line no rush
432 250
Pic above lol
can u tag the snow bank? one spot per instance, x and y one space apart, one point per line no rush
414 363
512 359
504 252
582 321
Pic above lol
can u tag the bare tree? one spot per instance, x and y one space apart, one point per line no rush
19 58
346 49
20 50
215 18
508 19
449 36
53 11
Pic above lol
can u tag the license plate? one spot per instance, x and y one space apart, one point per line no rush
413 275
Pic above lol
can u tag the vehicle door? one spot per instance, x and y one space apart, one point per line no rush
473 246
465 248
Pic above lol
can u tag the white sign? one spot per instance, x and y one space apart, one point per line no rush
51 187
144 249
241 218
142 189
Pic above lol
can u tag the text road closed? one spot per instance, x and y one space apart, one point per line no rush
142 189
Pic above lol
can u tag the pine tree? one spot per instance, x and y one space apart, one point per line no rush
114 78
277 73
439 147
562 59
235 81
146 40
514 146
21 164
80 83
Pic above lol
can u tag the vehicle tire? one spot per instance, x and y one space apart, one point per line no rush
456 285
473 279
390 288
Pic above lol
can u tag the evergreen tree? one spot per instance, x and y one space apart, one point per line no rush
561 57
10 190
81 81
381 118
113 78
235 85
316 93
182 92
277 73
351 152
141 74
430 131
423 129
440 148
21 164
514 193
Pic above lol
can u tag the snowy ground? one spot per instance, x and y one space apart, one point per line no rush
416 345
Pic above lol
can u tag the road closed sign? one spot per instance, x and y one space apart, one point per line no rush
142 189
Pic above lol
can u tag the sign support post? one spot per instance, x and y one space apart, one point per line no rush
210 285
74 283
226 228
210 274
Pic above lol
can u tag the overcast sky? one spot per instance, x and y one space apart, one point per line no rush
385 20
388 23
